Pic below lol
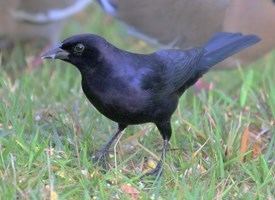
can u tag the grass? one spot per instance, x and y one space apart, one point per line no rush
48 132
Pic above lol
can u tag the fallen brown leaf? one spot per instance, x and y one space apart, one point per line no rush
244 143
257 150
131 191
255 139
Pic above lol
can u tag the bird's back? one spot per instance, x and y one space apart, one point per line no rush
182 68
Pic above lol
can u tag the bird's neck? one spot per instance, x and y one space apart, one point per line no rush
95 82
95 72
89 66
85 69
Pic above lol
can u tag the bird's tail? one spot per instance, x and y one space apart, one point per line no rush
223 45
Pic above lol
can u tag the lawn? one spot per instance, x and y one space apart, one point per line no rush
222 147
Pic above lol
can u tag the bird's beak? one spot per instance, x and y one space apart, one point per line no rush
56 53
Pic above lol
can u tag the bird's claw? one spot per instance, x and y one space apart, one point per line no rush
156 172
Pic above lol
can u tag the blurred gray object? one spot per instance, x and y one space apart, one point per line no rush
187 23
30 19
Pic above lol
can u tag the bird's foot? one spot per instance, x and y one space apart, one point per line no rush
101 159
156 172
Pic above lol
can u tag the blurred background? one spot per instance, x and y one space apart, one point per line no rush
168 24
223 142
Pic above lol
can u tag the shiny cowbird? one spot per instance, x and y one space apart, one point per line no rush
131 88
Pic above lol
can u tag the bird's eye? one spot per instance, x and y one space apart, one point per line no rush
79 48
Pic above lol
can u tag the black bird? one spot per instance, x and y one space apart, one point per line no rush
131 88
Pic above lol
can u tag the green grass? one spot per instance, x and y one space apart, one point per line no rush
48 132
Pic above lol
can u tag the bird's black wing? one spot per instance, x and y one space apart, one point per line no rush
176 69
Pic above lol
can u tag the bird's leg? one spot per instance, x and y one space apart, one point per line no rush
165 130
157 171
101 156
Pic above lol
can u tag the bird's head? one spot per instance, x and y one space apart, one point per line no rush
80 50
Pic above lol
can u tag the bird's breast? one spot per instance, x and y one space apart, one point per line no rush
117 99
